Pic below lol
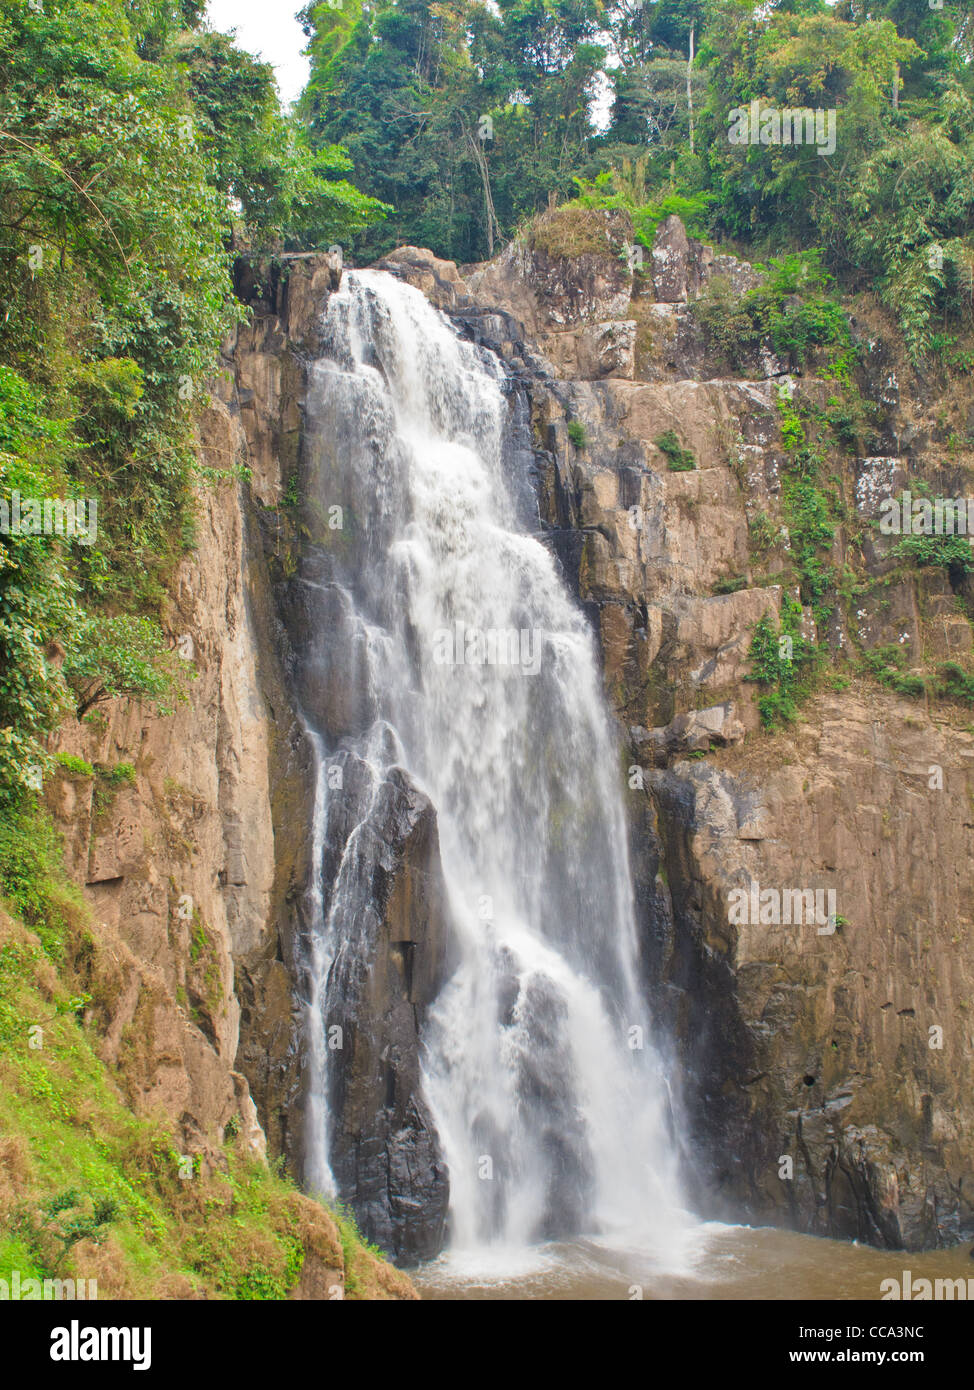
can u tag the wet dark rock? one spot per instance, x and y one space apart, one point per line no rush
385 1152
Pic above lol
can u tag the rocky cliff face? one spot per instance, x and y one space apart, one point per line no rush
827 1071
384 1153
824 1047
192 839
178 858
826 1075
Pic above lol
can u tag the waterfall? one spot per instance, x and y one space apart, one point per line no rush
449 647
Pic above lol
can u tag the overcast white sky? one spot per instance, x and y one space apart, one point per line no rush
269 29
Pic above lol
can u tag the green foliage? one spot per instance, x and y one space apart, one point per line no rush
762 532
36 593
729 327
782 663
793 311
286 193
74 766
679 460
796 308
84 1167
819 322
626 189
116 286
954 683
65 1220
127 655
470 121
58 656
462 117
810 511
199 941
109 782
352 1243
899 185
848 418
32 879
136 146
796 56
291 497
909 218
122 774
577 434
692 210
887 664
957 358
792 430
952 553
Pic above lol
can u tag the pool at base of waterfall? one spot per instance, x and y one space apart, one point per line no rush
724 1262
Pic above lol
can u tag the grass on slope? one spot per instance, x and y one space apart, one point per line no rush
90 1190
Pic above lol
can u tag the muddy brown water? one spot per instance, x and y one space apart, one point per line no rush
726 1262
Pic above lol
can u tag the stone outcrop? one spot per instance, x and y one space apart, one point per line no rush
847 1052
827 1077
844 1047
172 837
383 1149
385 1153
439 280
192 838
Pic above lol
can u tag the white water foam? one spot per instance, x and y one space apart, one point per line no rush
552 1124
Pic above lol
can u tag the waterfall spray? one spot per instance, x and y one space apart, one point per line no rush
473 669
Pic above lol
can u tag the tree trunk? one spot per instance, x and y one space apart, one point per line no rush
690 88
480 160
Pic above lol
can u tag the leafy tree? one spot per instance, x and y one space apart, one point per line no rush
135 149
124 655
283 191
70 1217
462 119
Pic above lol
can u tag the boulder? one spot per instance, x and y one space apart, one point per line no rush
671 262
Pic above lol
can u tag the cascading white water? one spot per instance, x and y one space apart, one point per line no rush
474 670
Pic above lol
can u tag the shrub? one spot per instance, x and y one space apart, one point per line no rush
952 553
32 878
782 664
954 683
793 310
126 655
763 532
887 664
732 585
75 767
577 434
679 460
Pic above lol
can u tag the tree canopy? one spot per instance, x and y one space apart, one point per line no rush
469 118
138 152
